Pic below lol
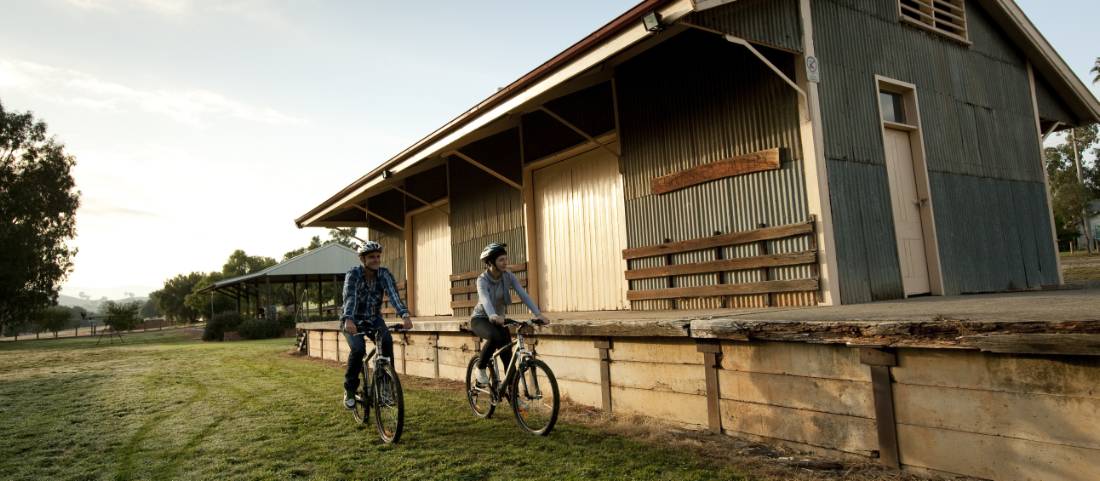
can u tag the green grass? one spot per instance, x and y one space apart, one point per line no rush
163 406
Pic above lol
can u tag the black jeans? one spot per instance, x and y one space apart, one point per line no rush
378 333
495 338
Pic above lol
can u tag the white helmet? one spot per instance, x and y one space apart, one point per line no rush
368 247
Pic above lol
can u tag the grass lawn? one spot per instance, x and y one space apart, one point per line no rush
163 406
1080 267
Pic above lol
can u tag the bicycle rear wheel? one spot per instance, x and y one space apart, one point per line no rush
389 405
479 397
535 400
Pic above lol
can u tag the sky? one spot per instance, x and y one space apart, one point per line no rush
205 126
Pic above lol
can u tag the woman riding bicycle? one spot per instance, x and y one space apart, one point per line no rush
493 297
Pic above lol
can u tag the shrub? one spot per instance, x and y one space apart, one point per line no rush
259 329
221 323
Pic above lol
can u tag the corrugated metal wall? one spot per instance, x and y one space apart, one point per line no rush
393 250
768 22
979 133
677 112
483 210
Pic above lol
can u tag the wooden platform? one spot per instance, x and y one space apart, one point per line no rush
1047 322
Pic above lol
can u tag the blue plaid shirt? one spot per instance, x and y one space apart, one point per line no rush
363 298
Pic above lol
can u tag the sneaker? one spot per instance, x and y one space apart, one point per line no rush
349 400
482 377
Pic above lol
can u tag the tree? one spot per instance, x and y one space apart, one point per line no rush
172 297
121 316
54 319
38 203
150 309
343 236
240 263
1071 192
314 242
200 301
1096 71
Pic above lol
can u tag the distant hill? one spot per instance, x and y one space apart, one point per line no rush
91 304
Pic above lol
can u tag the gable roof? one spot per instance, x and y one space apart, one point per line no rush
625 31
332 259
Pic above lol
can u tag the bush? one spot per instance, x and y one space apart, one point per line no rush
259 329
286 320
221 323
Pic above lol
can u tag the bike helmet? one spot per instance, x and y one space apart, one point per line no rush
368 247
492 251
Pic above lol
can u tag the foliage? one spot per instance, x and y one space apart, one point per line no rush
53 319
172 297
219 324
259 328
1070 196
240 263
121 316
150 308
38 203
200 301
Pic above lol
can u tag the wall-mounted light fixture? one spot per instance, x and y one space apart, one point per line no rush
652 22
387 174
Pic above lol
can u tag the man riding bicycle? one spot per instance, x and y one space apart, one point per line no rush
364 286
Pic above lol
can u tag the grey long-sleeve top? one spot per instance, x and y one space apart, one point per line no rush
493 298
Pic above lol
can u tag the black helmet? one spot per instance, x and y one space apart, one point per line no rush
492 251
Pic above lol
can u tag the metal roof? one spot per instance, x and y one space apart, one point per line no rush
328 260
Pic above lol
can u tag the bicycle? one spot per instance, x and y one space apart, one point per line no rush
380 389
521 385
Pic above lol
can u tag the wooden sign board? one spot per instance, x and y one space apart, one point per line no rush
740 165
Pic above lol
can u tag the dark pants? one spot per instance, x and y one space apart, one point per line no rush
495 338
378 333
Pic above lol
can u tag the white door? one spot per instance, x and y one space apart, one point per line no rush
581 224
432 263
907 211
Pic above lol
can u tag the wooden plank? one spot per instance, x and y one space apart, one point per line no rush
1037 343
1035 417
994 457
733 238
832 431
714 394
514 268
743 164
650 376
877 357
574 369
663 351
725 265
681 408
797 359
586 393
763 287
975 370
834 396
473 288
473 302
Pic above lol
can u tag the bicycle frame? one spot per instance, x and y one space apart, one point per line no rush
520 354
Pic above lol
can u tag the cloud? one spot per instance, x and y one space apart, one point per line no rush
257 11
189 106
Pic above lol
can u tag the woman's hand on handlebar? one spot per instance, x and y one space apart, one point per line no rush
542 319
497 319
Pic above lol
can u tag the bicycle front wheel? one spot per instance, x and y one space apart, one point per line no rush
389 405
535 399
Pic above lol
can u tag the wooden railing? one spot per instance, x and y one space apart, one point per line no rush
387 309
464 286
763 261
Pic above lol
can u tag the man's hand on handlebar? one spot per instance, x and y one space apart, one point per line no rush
349 326
408 324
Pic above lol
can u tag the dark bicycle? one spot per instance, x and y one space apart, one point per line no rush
528 385
381 390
